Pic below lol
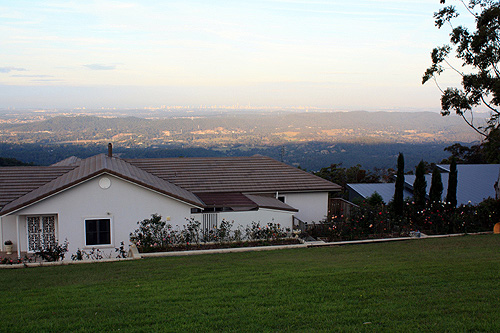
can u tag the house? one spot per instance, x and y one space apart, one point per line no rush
97 202
475 183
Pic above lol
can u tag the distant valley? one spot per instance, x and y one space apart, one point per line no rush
309 139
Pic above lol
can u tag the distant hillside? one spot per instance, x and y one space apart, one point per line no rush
311 140
249 130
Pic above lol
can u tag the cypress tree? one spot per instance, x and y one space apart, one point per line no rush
451 195
436 186
399 187
419 186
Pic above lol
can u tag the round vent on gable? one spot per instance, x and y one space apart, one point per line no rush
104 183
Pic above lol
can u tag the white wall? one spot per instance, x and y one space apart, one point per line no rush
313 207
123 202
262 216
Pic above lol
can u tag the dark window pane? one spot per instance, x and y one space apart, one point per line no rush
98 232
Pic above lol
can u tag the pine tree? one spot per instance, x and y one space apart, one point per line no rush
399 187
451 195
419 186
436 186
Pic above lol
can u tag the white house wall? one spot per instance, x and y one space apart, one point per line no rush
262 216
123 202
313 207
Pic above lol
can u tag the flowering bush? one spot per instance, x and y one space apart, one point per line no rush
190 234
154 235
10 261
377 221
96 254
53 252
271 231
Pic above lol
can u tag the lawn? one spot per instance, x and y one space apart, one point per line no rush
448 284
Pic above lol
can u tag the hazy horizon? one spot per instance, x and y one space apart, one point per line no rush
368 55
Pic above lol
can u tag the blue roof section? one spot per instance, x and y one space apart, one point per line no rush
386 190
475 184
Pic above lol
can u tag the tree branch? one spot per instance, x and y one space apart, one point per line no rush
472 126
456 70
437 84
489 106
468 9
495 69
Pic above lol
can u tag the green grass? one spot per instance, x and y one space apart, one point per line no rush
446 284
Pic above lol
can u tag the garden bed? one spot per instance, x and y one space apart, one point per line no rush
221 245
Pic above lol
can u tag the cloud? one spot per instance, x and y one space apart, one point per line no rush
47 80
100 67
10 69
36 76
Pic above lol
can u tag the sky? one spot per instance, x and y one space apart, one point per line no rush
344 55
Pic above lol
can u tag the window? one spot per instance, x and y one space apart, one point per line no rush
41 232
98 232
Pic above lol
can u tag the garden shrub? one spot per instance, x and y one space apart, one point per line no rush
271 231
374 220
190 234
153 234
96 254
53 252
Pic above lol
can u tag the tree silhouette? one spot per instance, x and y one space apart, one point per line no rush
398 201
419 186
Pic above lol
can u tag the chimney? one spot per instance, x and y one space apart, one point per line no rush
110 149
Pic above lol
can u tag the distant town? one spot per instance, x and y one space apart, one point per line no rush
306 137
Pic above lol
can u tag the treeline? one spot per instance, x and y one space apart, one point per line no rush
5 161
311 156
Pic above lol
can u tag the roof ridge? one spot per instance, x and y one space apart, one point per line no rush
95 165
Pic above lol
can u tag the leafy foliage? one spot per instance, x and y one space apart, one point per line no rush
342 176
487 151
377 221
154 235
375 199
6 161
53 252
478 50
96 254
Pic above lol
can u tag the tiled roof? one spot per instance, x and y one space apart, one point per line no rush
17 181
270 202
233 174
218 181
240 200
94 166
72 160
227 199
